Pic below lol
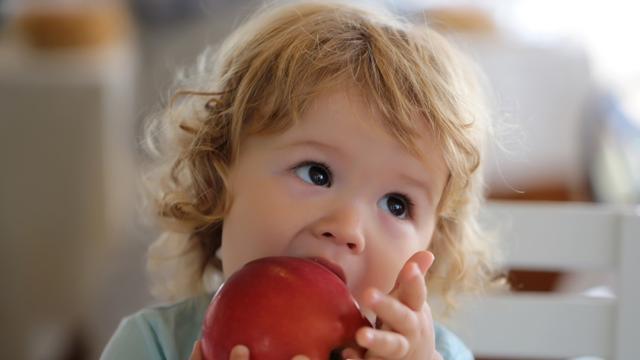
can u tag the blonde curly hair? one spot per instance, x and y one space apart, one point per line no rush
262 79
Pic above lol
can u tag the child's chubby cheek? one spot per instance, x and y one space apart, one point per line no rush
380 277
393 230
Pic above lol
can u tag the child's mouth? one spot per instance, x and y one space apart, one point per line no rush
334 268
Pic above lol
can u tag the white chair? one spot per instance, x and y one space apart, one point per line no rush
567 237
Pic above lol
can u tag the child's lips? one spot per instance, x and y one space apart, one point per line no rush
334 268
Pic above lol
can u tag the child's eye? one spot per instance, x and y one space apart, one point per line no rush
314 173
398 205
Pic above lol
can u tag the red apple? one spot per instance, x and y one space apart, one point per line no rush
280 307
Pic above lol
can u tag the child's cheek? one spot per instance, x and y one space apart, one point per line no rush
293 200
394 229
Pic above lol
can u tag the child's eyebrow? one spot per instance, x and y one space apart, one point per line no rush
313 143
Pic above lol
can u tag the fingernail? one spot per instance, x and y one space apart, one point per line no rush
240 350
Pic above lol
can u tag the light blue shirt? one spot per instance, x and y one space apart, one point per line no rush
169 332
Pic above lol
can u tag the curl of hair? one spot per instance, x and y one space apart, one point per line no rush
262 79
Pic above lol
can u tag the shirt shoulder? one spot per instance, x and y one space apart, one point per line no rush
159 332
450 346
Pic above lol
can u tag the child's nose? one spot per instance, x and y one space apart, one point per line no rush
344 227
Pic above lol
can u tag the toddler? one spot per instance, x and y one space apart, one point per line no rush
320 130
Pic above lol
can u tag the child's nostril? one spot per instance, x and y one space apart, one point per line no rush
351 246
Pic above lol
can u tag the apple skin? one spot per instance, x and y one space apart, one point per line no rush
280 307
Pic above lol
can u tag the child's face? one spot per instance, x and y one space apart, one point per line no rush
336 186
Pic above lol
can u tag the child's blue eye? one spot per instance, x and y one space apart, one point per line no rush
314 173
398 205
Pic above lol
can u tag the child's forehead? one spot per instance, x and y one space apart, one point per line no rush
347 118
330 110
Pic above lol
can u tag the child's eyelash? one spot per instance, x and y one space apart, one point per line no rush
312 163
315 163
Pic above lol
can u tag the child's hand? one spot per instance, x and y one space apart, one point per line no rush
196 353
239 352
405 326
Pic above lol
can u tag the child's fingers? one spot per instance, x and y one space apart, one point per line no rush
383 344
392 313
350 353
424 260
300 357
239 352
413 292
412 289
196 353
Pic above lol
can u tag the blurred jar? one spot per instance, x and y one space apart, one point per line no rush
61 24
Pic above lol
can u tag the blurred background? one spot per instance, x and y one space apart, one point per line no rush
78 77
